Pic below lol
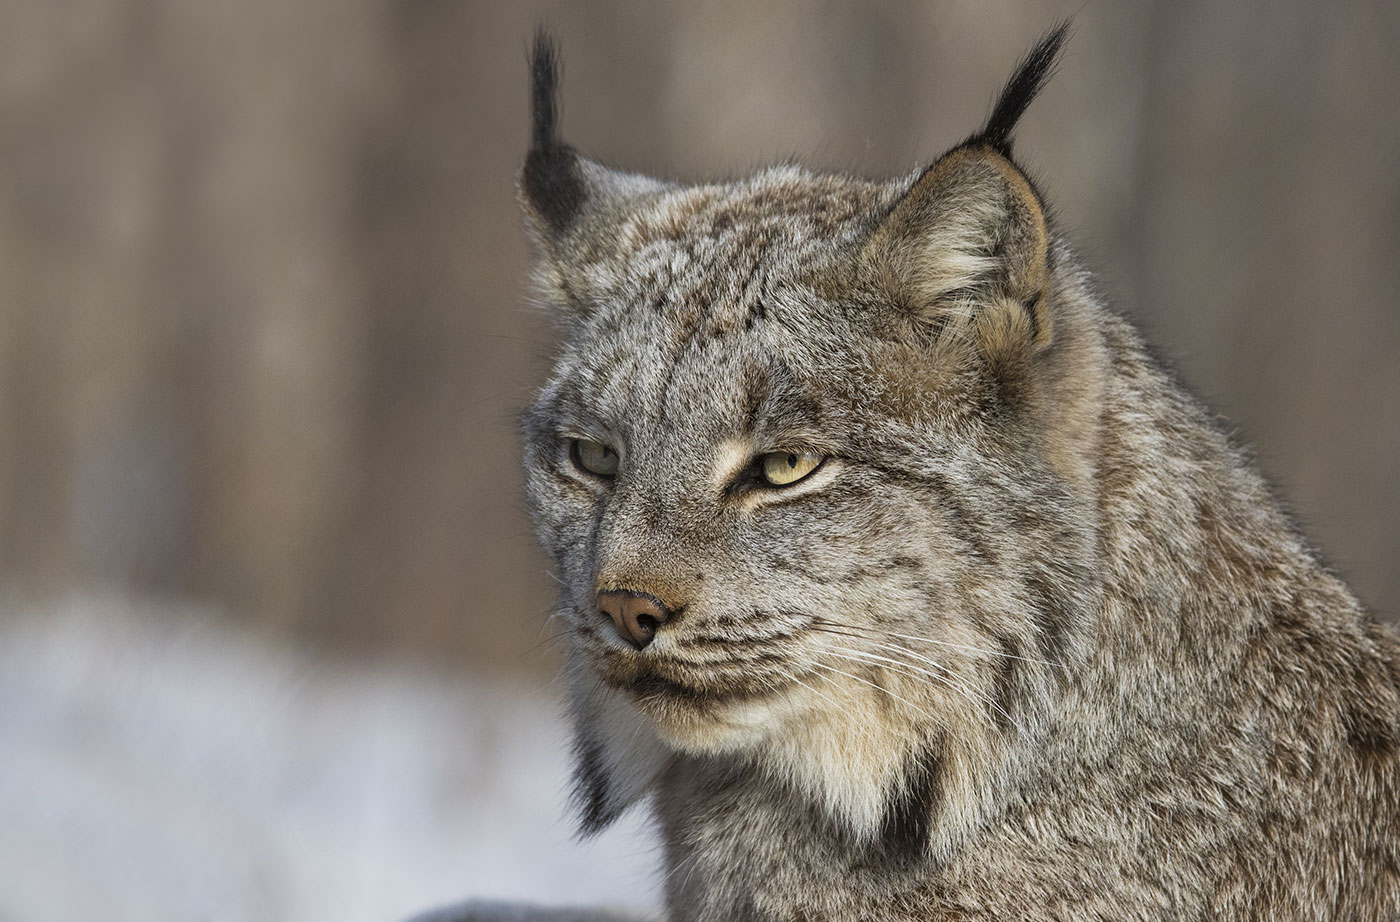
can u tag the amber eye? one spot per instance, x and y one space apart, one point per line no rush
781 468
594 457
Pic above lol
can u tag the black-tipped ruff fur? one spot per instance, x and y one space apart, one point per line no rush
590 790
912 805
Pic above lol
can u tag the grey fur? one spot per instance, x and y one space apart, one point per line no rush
492 911
1033 642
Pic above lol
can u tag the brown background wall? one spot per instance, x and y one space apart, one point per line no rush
262 334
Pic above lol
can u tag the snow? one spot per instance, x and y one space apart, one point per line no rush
157 763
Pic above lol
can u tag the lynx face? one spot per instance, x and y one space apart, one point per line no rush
810 466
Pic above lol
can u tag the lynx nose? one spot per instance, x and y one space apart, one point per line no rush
636 615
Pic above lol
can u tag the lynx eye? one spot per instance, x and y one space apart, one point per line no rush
781 468
594 457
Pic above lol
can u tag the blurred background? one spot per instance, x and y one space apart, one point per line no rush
273 629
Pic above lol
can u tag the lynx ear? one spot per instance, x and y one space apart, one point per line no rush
617 756
572 204
967 247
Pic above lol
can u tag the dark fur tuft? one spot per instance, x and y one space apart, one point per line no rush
908 824
1030 78
590 790
551 178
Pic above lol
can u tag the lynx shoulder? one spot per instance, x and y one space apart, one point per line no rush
906 585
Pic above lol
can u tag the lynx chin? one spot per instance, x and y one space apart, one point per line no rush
902 582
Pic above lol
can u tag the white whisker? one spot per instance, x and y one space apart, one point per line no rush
949 674
970 649
866 731
945 678
865 633
920 711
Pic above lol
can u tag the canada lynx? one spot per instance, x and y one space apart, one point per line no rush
908 586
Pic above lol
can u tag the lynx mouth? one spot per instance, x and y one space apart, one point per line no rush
728 713
655 687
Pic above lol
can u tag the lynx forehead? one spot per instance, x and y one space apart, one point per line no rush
903 580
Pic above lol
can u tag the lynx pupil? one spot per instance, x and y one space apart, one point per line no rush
781 468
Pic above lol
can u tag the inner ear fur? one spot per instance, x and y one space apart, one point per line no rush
966 250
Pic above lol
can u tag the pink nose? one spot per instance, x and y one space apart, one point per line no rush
636 615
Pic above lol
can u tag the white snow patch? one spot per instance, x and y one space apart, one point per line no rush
160 764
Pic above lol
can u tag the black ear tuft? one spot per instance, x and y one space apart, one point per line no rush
544 90
551 180
1030 78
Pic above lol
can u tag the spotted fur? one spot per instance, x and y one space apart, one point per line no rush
1033 642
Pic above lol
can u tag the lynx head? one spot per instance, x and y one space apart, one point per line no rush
814 469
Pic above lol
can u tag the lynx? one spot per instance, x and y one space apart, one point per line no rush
907 585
